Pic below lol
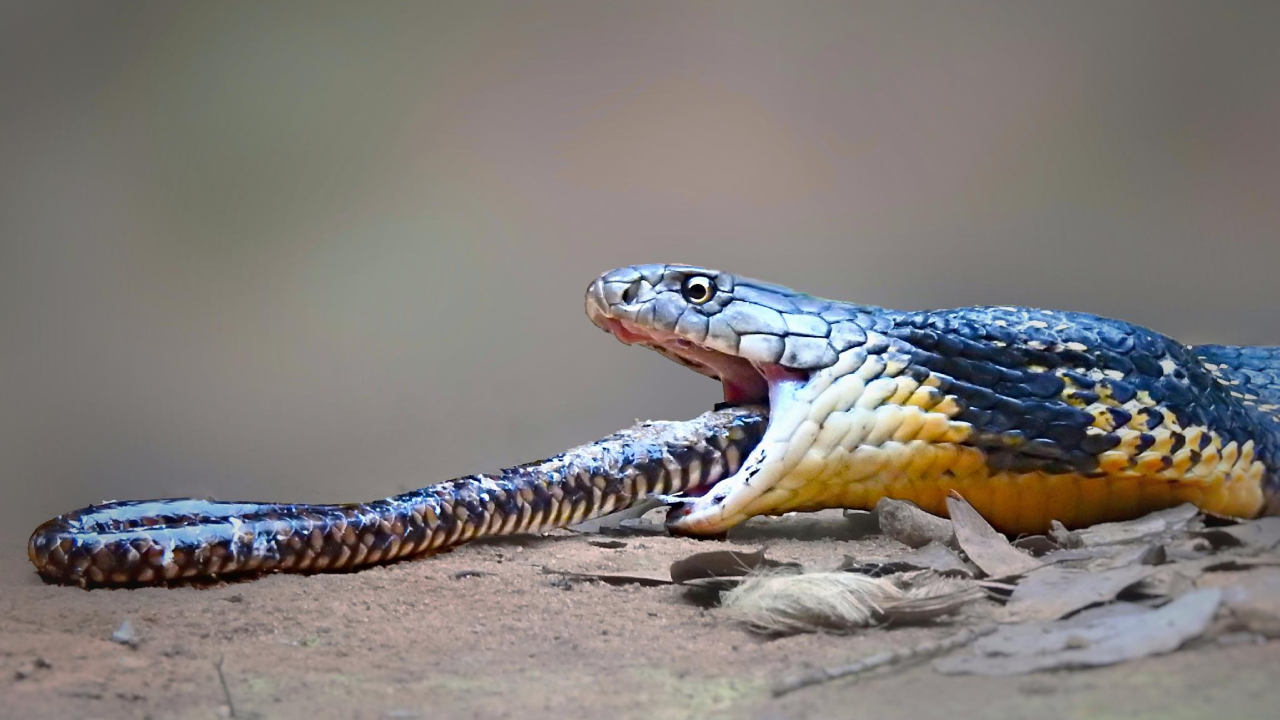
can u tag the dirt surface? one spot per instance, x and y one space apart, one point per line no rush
485 631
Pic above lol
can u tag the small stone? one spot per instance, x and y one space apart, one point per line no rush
125 635
913 527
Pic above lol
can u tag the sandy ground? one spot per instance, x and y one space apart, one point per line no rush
484 631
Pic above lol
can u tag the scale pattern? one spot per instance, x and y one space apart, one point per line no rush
1252 372
158 541
1035 415
1059 391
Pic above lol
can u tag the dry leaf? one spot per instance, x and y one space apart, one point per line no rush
1258 535
942 560
722 564
911 526
1106 557
1171 580
1153 525
1036 544
1055 592
988 549
1121 634
1254 600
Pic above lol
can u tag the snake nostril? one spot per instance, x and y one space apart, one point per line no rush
629 295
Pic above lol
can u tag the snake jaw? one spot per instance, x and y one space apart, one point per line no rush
641 306
717 508
744 381
746 492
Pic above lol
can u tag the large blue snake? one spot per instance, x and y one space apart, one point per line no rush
1032 415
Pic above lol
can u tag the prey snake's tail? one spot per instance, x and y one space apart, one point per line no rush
156 541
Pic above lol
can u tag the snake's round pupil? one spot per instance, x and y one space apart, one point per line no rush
697 290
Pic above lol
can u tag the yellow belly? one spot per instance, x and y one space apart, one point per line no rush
924 473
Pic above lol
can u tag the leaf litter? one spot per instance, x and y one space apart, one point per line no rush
1069 599
988 549
1088 642
911 526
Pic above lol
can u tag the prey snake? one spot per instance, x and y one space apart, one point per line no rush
1032 415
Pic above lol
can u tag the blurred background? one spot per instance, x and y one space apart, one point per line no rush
327 251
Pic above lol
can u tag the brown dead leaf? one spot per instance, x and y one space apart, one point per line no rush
1050 593
1106 557
1167 581
1253 598
1256 535
942 560
988 549
1147 527
722 564
1111 637
911 526
1037 545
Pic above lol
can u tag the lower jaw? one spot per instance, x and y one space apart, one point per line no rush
716 507
681 524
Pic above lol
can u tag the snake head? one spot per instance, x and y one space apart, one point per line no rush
737 330
763 342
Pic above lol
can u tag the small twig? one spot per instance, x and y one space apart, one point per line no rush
226 691
912 654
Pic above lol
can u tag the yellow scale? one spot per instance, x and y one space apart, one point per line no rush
853 435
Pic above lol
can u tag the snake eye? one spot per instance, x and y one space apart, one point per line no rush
697 289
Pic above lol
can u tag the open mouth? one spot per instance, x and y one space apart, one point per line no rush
708 509
745 382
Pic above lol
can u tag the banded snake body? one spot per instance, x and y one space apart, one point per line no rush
1031 415
158 541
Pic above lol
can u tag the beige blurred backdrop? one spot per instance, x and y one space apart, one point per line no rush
328 251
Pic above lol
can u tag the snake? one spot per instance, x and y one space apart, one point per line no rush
156 542
1033 416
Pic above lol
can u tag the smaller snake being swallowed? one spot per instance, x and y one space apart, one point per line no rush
158 541
1031 415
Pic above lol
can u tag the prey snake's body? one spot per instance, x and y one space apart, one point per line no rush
155 541
1032 415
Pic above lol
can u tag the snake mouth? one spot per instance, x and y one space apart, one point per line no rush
745 382
709 509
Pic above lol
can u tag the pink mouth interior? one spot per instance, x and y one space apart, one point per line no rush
744 381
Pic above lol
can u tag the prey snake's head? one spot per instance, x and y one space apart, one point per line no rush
762 341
